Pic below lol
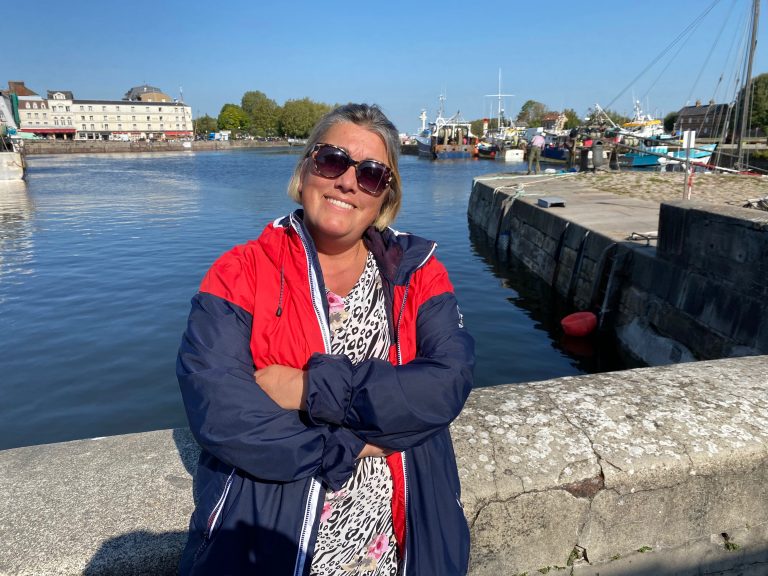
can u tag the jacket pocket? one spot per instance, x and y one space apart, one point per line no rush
213 519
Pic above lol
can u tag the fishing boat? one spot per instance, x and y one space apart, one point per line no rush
663 154
446 137
486 150
643 125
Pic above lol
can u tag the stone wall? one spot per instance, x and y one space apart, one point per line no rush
701 294
655 471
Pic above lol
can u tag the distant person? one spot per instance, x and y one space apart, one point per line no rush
321 367
534 152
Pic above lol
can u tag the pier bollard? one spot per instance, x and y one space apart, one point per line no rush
613 159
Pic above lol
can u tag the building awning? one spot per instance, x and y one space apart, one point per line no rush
49 130
178 133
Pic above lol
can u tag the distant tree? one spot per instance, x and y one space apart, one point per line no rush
759 116
669 122
532 113
573 120
263 112
204 125
300 116
477 127
232 117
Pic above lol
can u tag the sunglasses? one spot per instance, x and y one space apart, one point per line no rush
331 162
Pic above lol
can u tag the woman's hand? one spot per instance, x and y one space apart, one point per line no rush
371 451
286 386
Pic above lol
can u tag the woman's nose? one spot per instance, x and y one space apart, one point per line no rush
347 181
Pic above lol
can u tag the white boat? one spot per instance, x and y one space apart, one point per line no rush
446 137
12 166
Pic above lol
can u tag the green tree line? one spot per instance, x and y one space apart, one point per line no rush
259 116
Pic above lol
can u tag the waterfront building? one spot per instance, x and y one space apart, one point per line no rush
709 121
144 113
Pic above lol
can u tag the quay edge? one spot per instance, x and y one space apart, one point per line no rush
654 471
678 281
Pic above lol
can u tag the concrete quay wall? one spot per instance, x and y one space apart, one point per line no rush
654 471
692 284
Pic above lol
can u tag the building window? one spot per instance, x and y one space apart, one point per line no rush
106 126
90 108
105 117
45 115
37 115
34 105
69 121
29 115
82 117
161 127
134 126
133 108
85 127
90 118
117 108
159 109
67 108
55 121
93 127
103 108
147 118
133 117
119 126
149 126
161 118
82 108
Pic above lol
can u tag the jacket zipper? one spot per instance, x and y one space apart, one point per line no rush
310 510
213 517
400 362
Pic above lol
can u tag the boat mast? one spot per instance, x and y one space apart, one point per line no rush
748 83
499 95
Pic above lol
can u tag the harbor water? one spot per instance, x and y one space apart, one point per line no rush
100 255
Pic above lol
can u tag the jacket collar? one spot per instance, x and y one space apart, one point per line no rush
398 255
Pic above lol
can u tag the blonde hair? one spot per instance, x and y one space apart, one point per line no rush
371 118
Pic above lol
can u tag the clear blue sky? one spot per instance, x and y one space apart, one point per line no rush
399 54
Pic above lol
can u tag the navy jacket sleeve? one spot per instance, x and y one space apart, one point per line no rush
398 407
233 419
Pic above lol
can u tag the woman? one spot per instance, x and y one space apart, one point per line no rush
320 369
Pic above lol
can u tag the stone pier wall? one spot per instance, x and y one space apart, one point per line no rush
696 288
655 471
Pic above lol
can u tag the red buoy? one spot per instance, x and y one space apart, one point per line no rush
579 323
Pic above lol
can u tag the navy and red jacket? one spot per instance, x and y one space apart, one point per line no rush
263 470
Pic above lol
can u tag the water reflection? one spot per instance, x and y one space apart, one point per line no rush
599 352
16 223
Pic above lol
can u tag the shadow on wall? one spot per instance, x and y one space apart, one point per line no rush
146 554
138 554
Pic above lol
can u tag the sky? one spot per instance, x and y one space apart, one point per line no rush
401 55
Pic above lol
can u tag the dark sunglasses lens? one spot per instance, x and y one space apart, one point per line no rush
372 177
331 162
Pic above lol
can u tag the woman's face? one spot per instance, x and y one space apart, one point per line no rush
337 211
